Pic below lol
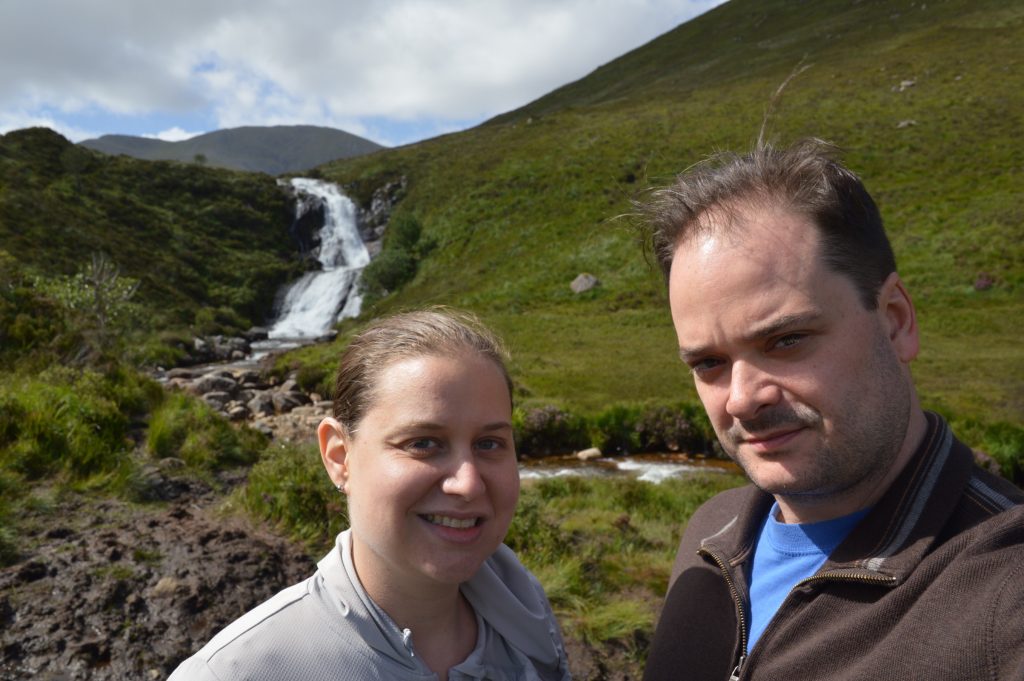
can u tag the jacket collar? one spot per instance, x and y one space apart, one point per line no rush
896 533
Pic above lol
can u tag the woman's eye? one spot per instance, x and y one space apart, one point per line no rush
423 444
490 444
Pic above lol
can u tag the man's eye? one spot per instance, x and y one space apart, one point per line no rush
702 366
789 340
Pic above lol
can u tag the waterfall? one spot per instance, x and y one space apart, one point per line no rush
319 299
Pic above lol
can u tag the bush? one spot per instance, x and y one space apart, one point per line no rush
66 422
187 428
290 488
542 431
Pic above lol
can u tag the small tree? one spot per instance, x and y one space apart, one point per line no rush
97 305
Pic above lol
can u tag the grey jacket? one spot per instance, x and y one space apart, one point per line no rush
327 627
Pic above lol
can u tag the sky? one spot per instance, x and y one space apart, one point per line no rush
393 71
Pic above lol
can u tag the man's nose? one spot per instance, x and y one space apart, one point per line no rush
750 389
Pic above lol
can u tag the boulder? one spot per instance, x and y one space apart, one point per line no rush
261 405
588 454
584 282
214 383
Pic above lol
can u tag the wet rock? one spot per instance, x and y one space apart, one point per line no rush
256 333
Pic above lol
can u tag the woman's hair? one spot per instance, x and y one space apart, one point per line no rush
437 331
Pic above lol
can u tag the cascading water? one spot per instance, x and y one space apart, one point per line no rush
319 299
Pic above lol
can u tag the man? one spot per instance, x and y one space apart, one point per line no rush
869 546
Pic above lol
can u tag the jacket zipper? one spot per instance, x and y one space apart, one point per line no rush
846 577
739 609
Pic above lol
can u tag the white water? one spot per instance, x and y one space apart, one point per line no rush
319 299
651 469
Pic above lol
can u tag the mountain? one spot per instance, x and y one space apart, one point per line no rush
273 150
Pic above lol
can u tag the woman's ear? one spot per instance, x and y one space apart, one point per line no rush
333 441
900 318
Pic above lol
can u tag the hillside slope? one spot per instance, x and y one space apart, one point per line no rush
195 237
273 150
926 99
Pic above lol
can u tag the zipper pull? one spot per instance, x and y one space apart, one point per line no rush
736 672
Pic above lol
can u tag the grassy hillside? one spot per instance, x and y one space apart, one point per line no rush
274 150
204 243
927 101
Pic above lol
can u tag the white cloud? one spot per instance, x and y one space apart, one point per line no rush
174 134
327 62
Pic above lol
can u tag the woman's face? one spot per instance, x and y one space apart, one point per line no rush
430 471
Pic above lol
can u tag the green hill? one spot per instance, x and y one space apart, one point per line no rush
274 150
196 238
926 99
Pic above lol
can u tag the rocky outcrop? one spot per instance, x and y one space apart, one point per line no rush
281 410
374 220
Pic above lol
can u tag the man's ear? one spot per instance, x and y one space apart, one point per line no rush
899 317
333 440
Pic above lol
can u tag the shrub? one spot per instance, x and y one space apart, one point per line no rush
76 425
542 431
187 428
290 488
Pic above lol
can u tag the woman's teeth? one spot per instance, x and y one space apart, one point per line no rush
460 524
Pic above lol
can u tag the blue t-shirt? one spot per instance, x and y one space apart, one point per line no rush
785 555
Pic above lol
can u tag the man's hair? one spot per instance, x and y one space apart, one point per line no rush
805 179
437 331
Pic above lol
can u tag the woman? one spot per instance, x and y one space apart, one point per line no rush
420 585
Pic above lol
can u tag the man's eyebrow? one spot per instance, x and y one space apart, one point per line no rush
783 323
766 329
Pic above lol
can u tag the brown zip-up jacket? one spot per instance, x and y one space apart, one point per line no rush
929 586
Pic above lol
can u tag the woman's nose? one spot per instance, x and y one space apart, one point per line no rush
464 480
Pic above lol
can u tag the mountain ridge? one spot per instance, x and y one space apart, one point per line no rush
274 150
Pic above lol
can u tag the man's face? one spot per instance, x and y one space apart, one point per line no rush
803 386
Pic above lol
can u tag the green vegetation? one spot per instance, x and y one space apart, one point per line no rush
192 237
398 262
603 547
926 99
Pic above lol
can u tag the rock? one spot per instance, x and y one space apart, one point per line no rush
180 372
213 383
907 123
256 333
262 405
263 427
238 413
584 282
290 385
284 402
166 587
217 399
588 454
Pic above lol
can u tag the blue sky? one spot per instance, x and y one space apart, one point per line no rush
394 71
